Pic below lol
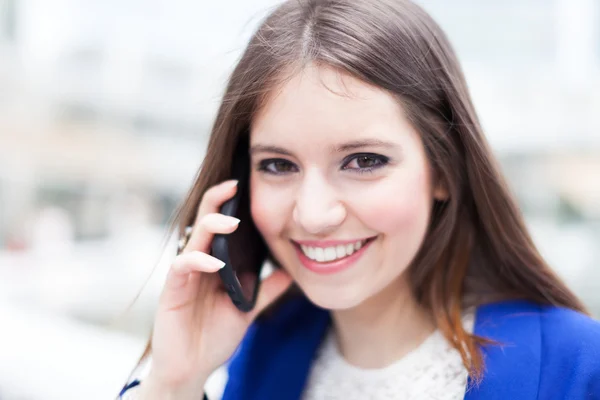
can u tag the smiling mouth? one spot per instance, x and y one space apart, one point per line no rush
332 253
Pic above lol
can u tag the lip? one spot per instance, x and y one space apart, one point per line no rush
330 243
331 267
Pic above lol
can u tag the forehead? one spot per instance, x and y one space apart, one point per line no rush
324 103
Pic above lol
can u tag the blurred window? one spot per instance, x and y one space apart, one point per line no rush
499 34
8 19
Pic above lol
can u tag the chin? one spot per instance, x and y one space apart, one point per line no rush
334 298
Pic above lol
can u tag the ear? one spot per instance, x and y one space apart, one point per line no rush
440 192
440 189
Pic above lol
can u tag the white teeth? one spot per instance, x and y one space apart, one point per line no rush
330 254
349 248
319 254
340 251
326 254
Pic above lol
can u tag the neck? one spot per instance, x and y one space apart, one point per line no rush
383 328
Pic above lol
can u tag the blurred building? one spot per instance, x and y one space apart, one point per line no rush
105 97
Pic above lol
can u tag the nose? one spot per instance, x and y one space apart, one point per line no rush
317 209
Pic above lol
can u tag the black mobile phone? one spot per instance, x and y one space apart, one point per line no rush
243 251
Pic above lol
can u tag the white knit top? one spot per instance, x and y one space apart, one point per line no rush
432 371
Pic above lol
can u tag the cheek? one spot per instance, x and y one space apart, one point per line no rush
399 205
270 220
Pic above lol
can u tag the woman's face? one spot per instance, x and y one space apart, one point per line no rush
340 186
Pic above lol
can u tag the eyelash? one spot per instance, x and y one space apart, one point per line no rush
381 160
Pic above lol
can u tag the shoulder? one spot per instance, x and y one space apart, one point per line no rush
547 349
558 327
571 348
569 329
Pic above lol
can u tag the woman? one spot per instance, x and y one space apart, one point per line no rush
381 203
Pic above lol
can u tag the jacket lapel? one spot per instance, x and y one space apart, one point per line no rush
274 359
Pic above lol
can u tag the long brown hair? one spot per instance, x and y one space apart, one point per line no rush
477 248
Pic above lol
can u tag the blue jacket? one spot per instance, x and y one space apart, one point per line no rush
547 353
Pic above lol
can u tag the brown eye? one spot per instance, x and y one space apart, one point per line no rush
282 166
277 166
365 162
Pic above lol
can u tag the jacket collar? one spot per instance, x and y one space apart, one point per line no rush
274 359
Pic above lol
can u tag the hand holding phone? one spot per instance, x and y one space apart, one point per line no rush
243 251
197 327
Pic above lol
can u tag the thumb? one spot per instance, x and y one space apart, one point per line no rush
270 289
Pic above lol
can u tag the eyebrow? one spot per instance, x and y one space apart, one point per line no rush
359 144
348 146
261 148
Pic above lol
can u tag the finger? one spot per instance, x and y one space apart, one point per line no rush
185 265
182 289
208 225
270 289
211 201
215 196
219 223
196 261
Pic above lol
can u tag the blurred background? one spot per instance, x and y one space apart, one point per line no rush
105 108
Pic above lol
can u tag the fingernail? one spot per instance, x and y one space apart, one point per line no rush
215 262
232 183
231 221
